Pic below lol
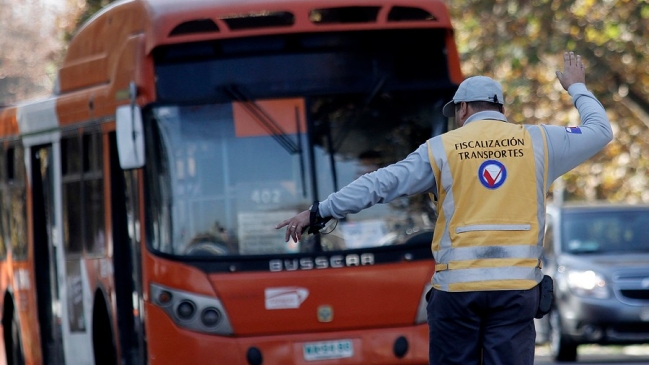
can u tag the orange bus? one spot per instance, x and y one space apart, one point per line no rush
139 201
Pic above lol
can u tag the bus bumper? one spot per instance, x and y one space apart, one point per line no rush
168 344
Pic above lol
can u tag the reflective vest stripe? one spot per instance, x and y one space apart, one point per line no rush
494 227
486 263
491 285
486 274
444 182
539 140
471 253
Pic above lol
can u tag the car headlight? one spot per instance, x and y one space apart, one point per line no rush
587 284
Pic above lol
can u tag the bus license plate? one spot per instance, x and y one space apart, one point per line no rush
326 350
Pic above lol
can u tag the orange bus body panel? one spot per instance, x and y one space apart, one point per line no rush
25 301
105 56
359 297
170 13
101 45
8 122
175 274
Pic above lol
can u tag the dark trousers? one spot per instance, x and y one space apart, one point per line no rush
489 327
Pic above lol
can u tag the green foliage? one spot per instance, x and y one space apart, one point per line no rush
92 7
89 10
521 44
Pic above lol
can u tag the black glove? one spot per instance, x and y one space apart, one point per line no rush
316 222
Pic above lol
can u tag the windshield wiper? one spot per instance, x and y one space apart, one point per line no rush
272 127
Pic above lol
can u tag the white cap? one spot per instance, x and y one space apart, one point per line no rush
476 88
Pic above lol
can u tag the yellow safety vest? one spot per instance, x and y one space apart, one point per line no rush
491 190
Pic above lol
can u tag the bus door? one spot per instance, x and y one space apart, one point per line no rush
45 253
61 279
126 258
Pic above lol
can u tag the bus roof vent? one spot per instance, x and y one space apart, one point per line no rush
406 13
347 14
262 19
194 26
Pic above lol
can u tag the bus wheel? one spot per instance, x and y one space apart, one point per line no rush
13 341
103 341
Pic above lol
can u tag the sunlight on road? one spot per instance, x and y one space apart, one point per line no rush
632 350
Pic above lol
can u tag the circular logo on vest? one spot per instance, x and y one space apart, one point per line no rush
492 174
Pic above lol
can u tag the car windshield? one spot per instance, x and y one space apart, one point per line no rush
606 231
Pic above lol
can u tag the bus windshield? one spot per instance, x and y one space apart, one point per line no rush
215 190
249 132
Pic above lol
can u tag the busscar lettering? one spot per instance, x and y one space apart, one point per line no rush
321 262
468 150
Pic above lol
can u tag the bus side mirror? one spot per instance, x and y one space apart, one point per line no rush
130 137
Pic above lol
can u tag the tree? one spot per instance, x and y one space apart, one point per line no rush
82 13
33 39
520 43
28 40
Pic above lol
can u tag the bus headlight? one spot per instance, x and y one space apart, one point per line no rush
182 307
185 310
211 317
587 284
422 314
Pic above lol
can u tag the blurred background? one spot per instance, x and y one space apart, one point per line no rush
519 42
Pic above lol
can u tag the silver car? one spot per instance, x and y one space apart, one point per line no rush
598 256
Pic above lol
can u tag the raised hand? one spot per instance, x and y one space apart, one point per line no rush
573 70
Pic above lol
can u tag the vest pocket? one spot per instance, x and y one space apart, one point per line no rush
494 227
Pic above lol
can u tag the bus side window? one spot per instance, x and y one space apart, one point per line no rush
71 181
14 209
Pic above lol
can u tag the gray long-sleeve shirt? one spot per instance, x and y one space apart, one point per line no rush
567 148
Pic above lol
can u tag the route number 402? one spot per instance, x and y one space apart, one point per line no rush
266 196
